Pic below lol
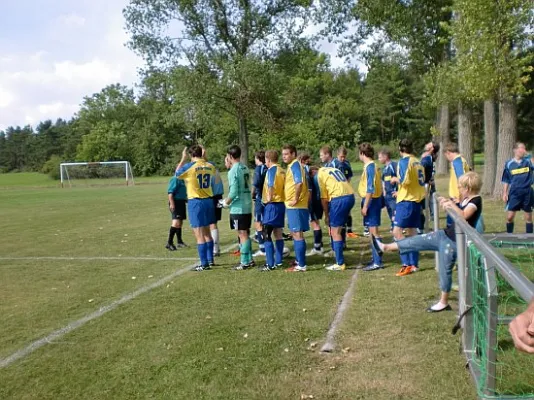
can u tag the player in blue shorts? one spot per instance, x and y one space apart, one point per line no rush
274 212
389 189
257 188
370 190
197 176
315 207
344 166
518 177
296 194
411 183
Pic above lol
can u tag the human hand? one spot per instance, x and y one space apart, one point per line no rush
522 331
364 211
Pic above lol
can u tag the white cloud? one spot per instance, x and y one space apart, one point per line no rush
72 20
6 98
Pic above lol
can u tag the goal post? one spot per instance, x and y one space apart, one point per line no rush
116 172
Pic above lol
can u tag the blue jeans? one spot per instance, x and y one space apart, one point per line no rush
435 241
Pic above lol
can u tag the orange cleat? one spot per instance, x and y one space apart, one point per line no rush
236 253
402 271
407 270
352 235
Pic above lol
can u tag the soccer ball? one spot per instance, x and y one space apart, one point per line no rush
286 252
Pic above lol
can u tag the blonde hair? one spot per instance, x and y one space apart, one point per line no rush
471 181
272 156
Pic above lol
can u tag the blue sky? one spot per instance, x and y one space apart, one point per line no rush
55 52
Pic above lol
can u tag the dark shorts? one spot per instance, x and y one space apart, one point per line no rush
374 212
201 212
240 222
179 212
408 214
259 207
218 211
521 201
316 210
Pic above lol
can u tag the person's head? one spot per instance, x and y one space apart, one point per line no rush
259 157
520 150
366 151
234 153
271 157
342 153
451 151
406 146
469 184
305 159
325 154
314 170
384 156
196 151
289 153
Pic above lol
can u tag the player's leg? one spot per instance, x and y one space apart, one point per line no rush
510 217
340 208
172 231
298 222
317 238
269 247
181 215
401 222
373 220
278 234
528 222
527 208
242 223
258 215
447 257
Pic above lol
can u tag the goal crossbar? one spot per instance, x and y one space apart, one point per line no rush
64 175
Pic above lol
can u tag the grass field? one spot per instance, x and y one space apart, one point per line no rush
221 334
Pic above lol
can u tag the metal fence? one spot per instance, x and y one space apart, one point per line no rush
498 370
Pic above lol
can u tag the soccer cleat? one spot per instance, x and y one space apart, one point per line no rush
243 267
376 246
414 269
352 235
181 245
279 265
314 252
408 270
336 267
373 267
212 263
402 271
267 268
170 247
200 268
259 253
366 231
236 253
294 263
296 268
216 254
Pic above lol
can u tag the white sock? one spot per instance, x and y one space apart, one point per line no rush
438 306
215 236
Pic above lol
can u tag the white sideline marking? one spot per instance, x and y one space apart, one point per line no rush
99 258
330 343
5 362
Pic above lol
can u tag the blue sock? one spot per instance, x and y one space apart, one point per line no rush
279 251
338 249
318 239
261 242
509 227
344 235
405 258
209 251
530 227
414 258
300 251
269 253
201 248
376 258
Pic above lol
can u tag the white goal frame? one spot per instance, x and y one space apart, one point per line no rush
64 174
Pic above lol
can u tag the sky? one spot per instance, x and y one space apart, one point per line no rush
55 52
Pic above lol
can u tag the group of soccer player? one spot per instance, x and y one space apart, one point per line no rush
305 194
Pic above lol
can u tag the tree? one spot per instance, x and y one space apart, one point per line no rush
223 42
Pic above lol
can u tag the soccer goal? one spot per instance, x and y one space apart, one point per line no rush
96 173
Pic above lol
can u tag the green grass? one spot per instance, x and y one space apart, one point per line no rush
187 339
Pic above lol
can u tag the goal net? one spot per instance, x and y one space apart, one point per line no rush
96 173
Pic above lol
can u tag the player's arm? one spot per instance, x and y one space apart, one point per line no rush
233 189
466 213
323 194
270 180
297 179
458 167
403 177
506 180
371 171
182 160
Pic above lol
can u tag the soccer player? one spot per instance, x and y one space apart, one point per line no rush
444 241
296 196
218 192
315 208
239 201
389 189
459 167
197 176
337 197
257 188
517 177
427 161
343 164
411 192
325 154
274 212
177 204
370 190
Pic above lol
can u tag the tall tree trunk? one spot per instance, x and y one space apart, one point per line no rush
444 138
507 138
490 147
465 134
243 138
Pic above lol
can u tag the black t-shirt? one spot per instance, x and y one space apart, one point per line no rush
472 220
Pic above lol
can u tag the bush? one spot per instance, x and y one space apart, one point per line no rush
51 168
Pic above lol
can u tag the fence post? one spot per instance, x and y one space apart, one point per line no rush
461 262
492 316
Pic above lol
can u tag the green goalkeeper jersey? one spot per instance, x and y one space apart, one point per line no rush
239 189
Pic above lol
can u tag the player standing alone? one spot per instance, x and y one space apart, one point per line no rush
518 176
177 204
197 176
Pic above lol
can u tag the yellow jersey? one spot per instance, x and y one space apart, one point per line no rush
295 175
458 167
275 178
197 176
411 180
371 181
332 183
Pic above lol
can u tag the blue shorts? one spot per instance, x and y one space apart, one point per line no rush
408 214
201 212
339 210
298 219
316 211
391 205
274 215
258 210
374 212
521 201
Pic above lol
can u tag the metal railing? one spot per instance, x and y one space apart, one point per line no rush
478 283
